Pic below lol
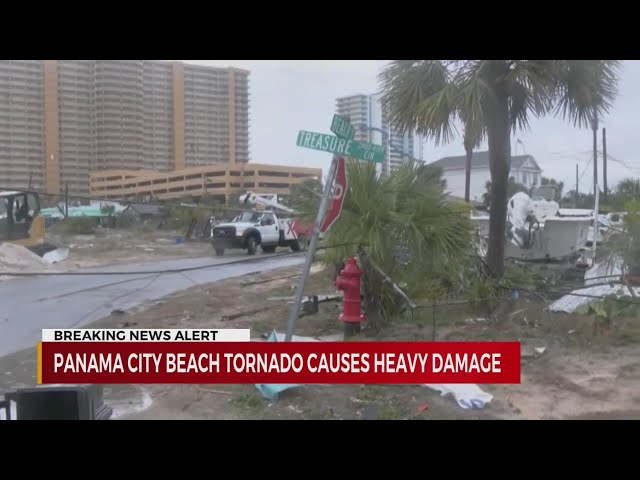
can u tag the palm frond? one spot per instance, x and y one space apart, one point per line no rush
418 96
472 93
585 89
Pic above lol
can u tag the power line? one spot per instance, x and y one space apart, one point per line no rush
128 202
167 271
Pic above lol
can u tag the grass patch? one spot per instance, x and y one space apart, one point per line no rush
248 401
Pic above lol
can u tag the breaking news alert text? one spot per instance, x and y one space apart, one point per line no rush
161 356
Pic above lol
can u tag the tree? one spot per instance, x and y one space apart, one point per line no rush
498 97
408 226
626 190
471 140
513 187
305 197
629 188
559 186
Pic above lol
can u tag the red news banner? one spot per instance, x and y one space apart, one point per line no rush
159 356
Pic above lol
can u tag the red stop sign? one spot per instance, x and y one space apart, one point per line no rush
339 192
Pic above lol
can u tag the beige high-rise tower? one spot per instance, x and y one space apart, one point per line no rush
62 119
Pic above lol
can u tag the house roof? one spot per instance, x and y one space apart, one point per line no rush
480 160
145 209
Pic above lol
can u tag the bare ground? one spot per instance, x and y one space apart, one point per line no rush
583 372
121 246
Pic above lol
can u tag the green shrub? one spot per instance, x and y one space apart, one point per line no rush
79 225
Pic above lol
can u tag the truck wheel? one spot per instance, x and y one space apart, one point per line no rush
295 246
252 245
219 252
268 248
303 242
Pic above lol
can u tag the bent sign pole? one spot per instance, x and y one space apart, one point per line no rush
339 193
297 300
341 146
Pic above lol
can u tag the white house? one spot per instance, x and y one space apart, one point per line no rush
524 170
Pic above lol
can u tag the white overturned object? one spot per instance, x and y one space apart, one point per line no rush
55 256
469 396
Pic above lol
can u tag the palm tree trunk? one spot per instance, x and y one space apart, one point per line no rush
467 171
499 140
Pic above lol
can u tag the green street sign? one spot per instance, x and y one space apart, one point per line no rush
340 146
342 127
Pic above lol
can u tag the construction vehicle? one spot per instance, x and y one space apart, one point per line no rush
265 228
20 222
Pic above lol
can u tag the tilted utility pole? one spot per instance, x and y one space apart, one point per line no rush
604 164
575 203
594 127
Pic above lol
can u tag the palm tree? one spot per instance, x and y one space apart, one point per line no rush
408 225
498 97
628 188
471 140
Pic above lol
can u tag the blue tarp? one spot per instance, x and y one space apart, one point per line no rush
271 391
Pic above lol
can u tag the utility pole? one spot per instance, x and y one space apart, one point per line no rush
66 200
594 126
604 164
575 205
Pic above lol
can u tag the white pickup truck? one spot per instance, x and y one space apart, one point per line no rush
249 230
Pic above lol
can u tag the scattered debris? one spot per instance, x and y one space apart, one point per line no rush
271 392
233 316
467 396
280 337
321 298
577 298
295 409
604 271
267 280
55 256
16 258
476 320
533 353
370 412
219 392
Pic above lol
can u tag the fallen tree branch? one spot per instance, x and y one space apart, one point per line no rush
233 316
394 285
267 280
220 392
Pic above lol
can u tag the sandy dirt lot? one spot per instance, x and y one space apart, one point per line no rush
121 246
582 372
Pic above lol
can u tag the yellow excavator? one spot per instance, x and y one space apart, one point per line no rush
20 222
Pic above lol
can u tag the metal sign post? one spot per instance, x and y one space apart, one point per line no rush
340 145
324 203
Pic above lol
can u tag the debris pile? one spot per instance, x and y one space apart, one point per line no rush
18 259
602 280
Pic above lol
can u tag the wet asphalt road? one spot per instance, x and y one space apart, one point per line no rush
29 304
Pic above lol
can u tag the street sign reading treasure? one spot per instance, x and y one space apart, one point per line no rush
340 146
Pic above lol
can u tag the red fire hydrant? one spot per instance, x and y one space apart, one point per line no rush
349 282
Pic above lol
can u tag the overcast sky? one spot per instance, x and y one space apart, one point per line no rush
290 95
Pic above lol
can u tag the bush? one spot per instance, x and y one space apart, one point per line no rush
180 218
79 225
632 227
